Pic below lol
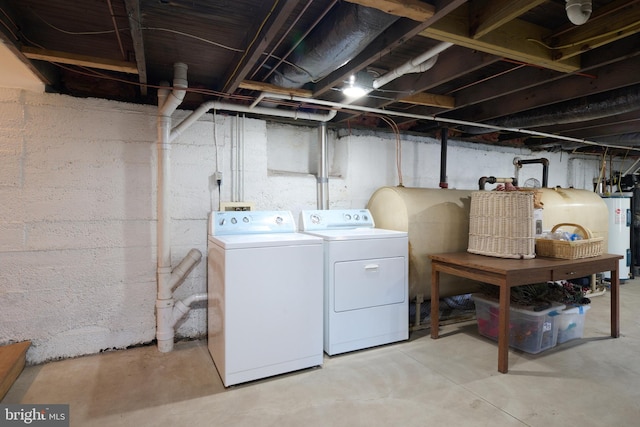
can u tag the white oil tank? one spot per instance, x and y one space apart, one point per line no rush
582 207
619 207
437 221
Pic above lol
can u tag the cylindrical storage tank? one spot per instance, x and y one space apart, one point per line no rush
582 207
620 233
436 221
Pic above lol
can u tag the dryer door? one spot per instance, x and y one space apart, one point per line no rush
369 283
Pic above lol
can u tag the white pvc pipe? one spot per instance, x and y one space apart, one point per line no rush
323 175
578 11
182 307
168 278
383 112
183 269
216 105
412 64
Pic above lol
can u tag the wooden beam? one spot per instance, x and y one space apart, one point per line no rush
412 9
255 51
430 100
393 37
612 22
487 16
133 11
81 60
268 87
512 40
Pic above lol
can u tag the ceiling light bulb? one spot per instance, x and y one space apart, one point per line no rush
354 91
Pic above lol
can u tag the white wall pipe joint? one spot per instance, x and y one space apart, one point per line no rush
578 11
184 306
175 97
183 269
410 65
164 327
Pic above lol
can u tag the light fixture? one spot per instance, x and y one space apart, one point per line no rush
354 90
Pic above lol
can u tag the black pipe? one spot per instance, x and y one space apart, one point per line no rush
492 180
545 168
444 133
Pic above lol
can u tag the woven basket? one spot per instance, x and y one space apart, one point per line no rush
588 247
501 224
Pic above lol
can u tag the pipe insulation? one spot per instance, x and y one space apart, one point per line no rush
332 44
590 107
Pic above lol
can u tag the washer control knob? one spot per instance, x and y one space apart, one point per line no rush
279 220
315 218
233 220
222 221
245 219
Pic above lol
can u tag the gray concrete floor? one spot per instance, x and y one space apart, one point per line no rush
593 381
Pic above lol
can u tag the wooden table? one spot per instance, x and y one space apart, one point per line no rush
507 273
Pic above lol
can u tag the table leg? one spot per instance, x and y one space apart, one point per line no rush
615 304
503 329
435 301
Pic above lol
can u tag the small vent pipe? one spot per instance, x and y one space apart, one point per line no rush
578 11
323 175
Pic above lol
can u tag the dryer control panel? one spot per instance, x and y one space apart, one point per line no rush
250 222
314 220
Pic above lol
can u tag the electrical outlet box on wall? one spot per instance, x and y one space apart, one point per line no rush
237 206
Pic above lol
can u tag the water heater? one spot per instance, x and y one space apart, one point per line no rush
619 207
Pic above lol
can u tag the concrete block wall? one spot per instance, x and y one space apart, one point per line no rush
78 205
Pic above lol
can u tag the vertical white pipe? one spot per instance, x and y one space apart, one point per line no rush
164 299
168 102
234 161
323 177
242 131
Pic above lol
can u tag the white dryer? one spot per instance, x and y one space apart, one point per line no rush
265 295
365 279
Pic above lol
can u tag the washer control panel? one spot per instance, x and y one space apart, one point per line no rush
311 220
250 222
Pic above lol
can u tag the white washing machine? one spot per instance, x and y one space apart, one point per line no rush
365 279
265 295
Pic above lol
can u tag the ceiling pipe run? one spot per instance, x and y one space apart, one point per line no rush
264 111
578 11
362 108
418 64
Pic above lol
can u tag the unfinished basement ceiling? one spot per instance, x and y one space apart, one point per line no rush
512 64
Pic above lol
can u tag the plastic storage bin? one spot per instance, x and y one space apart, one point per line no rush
530 331
571 323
